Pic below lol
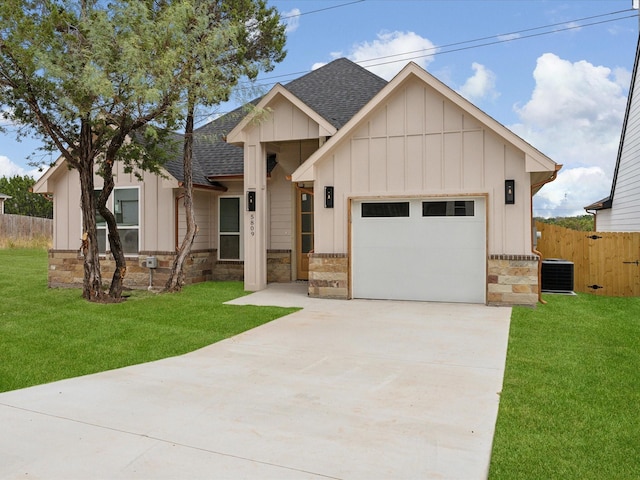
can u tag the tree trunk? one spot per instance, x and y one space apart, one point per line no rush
92 281
176 278
115 244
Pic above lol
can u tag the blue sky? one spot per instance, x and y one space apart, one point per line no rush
541 67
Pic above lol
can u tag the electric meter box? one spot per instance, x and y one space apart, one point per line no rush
152 262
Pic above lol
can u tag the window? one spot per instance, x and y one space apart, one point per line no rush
124 205
450 208
385 209
229 245
125 209
101 225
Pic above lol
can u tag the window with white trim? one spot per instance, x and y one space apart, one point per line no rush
127 212
125 205
229 229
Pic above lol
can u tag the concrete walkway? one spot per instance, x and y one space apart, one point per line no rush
342 389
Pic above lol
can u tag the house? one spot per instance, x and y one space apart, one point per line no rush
362 187
620 211
3 197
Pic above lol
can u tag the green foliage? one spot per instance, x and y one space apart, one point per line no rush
569 405
123 67
51 334
583 223
87 76
22 201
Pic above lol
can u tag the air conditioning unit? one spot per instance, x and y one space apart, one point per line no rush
557 275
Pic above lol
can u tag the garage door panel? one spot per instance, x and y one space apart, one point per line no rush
428 258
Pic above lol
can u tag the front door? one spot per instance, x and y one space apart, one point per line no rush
304 243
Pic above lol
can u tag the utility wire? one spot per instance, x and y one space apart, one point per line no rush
573 27
447 48
294 15
509 37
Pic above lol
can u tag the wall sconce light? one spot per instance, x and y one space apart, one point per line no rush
251 201
509 192
328 197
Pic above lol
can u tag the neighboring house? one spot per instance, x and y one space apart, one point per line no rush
620 211
365 188
3 197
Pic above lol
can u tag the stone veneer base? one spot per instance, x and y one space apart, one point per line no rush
512 280
66 268
329 275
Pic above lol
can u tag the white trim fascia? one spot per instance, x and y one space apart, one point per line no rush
42 184
236 137
536 159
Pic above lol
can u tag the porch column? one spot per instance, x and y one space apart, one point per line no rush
255 222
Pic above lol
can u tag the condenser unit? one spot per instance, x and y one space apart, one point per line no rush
557 276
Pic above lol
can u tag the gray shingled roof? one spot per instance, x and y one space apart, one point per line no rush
336 91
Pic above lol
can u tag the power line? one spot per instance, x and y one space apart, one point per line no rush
508 37
294 15
573 27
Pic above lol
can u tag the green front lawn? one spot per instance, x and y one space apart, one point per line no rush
48 335
570 406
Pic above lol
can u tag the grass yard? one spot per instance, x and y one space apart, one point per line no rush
570 405
51 334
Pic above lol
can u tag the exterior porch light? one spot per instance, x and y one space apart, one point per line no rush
328 197
509 192
251 201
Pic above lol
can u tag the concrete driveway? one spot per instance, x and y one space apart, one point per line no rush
342 389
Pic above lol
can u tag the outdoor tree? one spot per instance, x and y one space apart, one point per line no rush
88 77
23 201
223 41
107 82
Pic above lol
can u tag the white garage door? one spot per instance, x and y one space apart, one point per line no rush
419 249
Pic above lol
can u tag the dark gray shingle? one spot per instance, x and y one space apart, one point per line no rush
336 91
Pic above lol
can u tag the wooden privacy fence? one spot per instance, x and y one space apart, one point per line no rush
20 227
605 263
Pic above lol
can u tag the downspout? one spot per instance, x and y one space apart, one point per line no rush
595 219
533 249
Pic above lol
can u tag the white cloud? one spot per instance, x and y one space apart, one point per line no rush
574 189
8 168
481 85
391 51
11 169
575 116
575 112
508 37
291 20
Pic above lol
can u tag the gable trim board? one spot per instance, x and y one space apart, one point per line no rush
411 140
535 161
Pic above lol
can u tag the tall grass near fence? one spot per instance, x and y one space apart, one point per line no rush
19 231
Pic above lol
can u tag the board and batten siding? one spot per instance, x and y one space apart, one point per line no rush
419 144
287 122
155 204
204 208
281 211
